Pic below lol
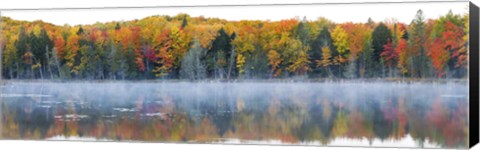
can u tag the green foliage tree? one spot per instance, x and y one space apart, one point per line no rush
322 40
219 55
380 36
418 61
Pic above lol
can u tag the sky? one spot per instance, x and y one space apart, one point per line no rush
403 12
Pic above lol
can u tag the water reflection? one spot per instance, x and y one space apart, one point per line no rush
263 113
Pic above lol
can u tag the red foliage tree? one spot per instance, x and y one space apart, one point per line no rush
452 37
389 54
139 60
402 52
439 56
60 46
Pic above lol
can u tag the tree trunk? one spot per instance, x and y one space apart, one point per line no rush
18 70
232 58
41 72
48 63
10 72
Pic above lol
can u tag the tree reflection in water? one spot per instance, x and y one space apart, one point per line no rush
293 113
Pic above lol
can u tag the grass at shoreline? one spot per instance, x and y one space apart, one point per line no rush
290 80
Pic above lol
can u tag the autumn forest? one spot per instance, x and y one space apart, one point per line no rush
111 80
197 48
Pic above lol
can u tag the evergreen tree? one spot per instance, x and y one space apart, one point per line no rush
117 26
80 31
322 40
184 22
380 36
21 44
418 61
219 54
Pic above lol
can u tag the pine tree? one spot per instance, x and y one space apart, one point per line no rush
380 36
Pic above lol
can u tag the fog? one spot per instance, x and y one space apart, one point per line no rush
318 113
186 95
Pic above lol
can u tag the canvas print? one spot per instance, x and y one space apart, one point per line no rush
376 74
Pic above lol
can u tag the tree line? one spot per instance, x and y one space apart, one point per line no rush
195 48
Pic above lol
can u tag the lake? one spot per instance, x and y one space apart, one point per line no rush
323 114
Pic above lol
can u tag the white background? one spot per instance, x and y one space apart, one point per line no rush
37 145
403 12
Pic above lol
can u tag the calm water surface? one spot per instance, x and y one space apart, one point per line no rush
325 114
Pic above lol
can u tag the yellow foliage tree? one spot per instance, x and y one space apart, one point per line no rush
274 60
340 41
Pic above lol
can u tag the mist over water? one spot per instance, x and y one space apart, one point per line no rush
292 113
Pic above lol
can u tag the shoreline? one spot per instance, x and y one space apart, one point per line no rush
291 80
